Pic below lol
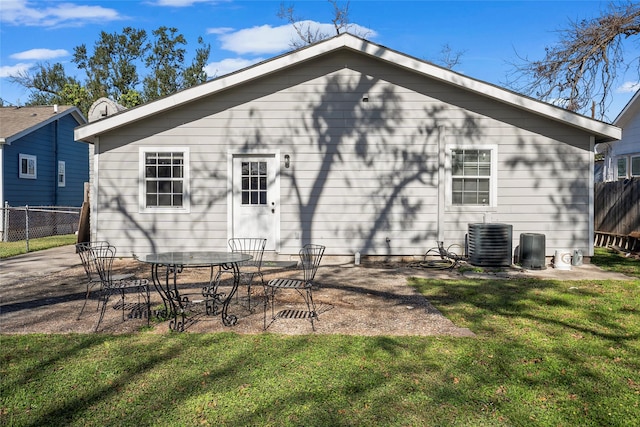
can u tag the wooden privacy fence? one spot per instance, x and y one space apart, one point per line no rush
617 211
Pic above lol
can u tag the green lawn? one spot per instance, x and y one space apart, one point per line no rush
9 249
547 353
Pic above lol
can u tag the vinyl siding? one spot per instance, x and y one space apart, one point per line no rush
44 190
364 176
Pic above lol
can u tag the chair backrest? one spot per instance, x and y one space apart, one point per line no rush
250 246
310 257
103 256
87 256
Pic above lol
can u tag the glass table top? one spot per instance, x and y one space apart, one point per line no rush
194 258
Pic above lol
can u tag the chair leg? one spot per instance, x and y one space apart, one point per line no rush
86 298
269 296
311 307
122 302
105 294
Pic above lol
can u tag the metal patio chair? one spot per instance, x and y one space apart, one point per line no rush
102 257
252 268
88 262
310 257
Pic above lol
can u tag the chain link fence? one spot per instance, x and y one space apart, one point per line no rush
30 222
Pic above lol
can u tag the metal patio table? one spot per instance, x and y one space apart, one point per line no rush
177 307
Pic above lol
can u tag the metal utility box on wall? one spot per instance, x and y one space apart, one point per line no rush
532 251
490 244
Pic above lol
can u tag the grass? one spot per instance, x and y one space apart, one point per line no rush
9 249
546 353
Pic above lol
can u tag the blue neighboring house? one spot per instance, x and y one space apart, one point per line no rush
40 162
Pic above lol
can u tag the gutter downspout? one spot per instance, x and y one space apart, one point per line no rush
55 158
441 182
592 233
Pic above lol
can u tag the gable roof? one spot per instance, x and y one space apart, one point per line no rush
631 109
602 131
16 122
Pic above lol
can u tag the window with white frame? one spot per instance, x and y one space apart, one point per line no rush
473 176
165 179
62 176
28 166
622 167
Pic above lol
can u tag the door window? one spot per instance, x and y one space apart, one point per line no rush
254 183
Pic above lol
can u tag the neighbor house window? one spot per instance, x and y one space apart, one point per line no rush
635 165
28 166
61 174
622 168
472 177
165 179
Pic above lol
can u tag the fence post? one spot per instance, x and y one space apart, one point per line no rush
5 222
26 222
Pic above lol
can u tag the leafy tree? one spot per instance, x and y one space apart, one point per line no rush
194 74
112 70
50 85
165 61
580 70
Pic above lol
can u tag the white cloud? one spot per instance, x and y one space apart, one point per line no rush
219 30
263 40
40 54
21 12
266 39
628 87
229 65
180 3
13 70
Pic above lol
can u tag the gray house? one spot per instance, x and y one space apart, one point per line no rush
344 143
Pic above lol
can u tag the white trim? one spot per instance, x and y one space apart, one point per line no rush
186 189
28 158
493 178
605 131
231 154
94 193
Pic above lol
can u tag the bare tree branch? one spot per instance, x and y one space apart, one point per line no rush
579 72
450 59
308 32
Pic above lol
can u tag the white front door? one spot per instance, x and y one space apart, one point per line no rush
255 203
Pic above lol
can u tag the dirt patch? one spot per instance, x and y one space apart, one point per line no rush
350 300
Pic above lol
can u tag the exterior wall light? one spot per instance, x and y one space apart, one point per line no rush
287 161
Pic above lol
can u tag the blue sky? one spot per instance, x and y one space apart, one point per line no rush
491 33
